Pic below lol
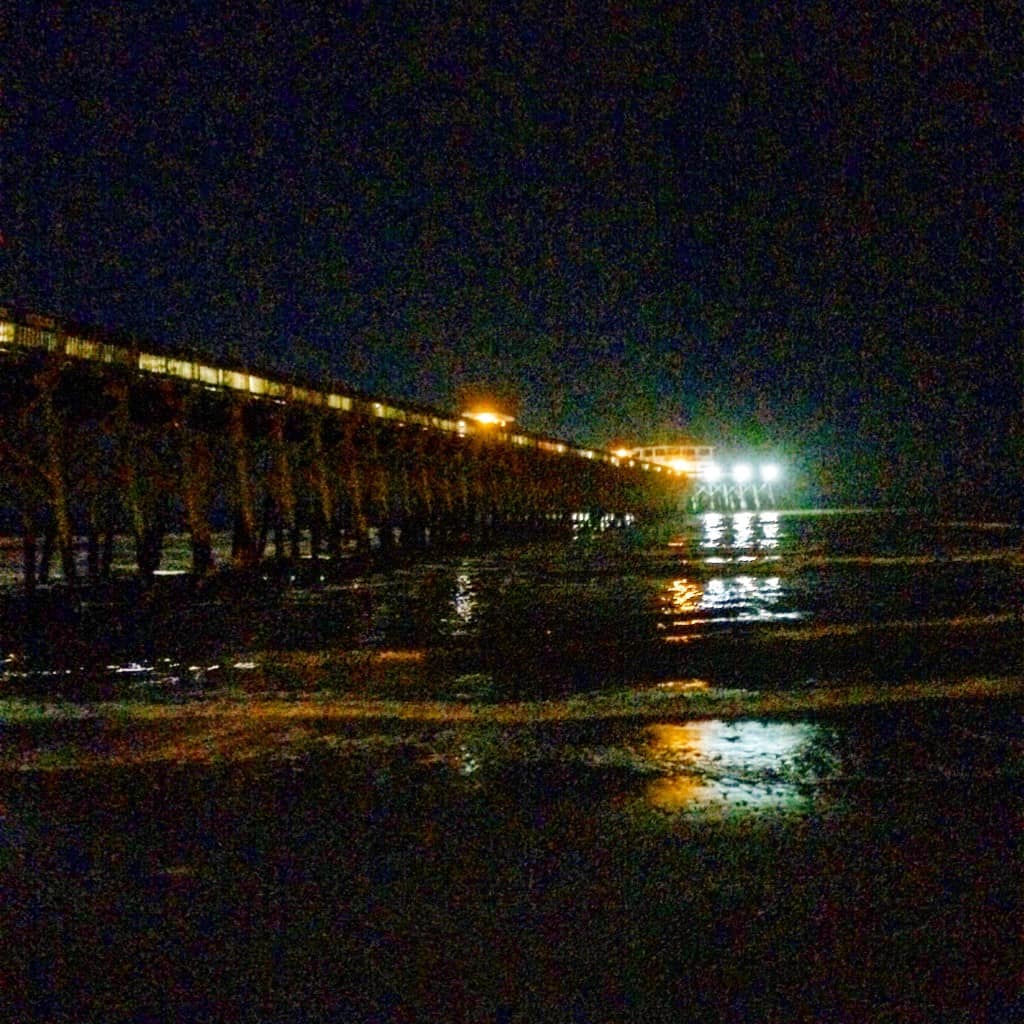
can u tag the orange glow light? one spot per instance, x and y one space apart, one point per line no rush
488 417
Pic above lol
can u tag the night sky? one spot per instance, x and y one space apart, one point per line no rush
784 226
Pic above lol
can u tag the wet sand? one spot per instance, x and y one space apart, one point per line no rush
277 862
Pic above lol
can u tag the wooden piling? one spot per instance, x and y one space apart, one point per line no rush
56 476
196 493
244 551
282 490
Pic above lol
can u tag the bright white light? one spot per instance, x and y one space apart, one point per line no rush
769 473
741 473
711 472
464 600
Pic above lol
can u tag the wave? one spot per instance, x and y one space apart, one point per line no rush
845 629
798 561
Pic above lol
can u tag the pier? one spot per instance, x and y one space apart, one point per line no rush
102 436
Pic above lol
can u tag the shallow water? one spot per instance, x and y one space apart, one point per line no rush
699 619
629 598
278 867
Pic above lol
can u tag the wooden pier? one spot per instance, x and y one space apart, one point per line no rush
101 437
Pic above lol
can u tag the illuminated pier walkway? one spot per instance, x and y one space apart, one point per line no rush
100 437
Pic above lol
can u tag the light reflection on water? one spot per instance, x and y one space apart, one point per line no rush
464 601
743 529
714 529
739 531
687 602
740 766
596 606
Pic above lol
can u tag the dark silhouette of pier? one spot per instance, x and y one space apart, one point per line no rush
101 437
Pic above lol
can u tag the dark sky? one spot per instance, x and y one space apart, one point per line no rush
783 225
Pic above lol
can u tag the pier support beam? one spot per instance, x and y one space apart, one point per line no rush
197 465
57 479
244 551
324 514
282 492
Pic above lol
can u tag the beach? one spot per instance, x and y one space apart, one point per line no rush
769 774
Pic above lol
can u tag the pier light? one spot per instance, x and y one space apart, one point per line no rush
769 473
742 472
622 453
488 417
712 472
682 465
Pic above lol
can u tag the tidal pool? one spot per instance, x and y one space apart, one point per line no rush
731 767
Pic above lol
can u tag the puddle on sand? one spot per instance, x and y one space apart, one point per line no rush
735 767
705 768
